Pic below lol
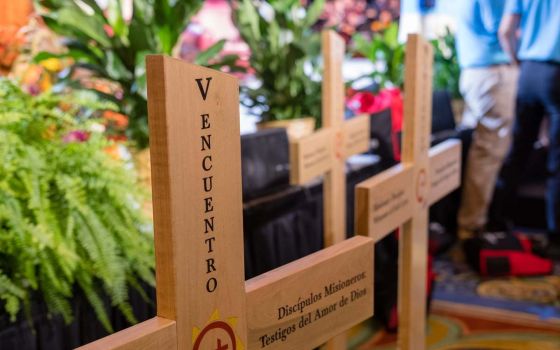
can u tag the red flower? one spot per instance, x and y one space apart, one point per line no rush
76 136
109 30
365 103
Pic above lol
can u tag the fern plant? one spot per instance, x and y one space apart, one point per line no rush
70 216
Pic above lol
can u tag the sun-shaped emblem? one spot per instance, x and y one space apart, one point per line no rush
217 334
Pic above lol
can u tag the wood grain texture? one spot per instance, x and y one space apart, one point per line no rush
384 202
356 135
401 195
311 290
311 156
196 179
201 293
325 152
334 187
156 333
413 243
334 183
445 169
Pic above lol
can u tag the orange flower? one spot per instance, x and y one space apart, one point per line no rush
32 75
49 132
113 151
116 119
45 83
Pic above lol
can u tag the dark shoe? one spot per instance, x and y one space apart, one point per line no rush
552 251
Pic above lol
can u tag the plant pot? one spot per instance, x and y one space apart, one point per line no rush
295 128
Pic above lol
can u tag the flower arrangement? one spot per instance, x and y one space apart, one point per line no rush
109 45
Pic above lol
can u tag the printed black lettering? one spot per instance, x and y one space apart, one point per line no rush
205 142
209 224
206 166
203 91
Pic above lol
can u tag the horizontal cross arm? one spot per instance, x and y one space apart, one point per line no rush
311 156
303 304
445 169
384 202
155 333
356 135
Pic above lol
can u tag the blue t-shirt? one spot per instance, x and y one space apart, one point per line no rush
478 22
540 28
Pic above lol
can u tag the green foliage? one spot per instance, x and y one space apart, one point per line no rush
446 65
285 54
111 48
70 216
385 51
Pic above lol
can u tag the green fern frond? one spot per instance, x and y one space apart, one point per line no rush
70 217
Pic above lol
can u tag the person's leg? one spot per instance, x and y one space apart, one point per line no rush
551 99
489 95
529 114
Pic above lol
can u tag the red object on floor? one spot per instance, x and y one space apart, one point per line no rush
508 255
520 263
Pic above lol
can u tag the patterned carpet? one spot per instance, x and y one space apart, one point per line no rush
538 296
453 333
472 313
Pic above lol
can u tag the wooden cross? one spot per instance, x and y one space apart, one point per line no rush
402 194
325 151
203 302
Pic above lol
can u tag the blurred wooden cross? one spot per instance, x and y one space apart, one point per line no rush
325 152
402 194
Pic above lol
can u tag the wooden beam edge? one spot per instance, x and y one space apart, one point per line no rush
307 262
383 176
155 333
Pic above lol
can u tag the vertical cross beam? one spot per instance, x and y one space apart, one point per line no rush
334 182
195 148
334 186
413 243
401 195
325 151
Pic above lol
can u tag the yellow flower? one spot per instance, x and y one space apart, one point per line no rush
52 64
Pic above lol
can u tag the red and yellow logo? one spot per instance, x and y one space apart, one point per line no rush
217 335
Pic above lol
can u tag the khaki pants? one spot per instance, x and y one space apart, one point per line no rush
489 94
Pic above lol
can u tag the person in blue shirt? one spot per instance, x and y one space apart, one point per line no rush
488 83
537 51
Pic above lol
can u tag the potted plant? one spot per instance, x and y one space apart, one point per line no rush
447 71
285 54
110 45
386 53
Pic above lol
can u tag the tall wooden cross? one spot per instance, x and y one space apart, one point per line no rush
325 151
203 301
401 195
